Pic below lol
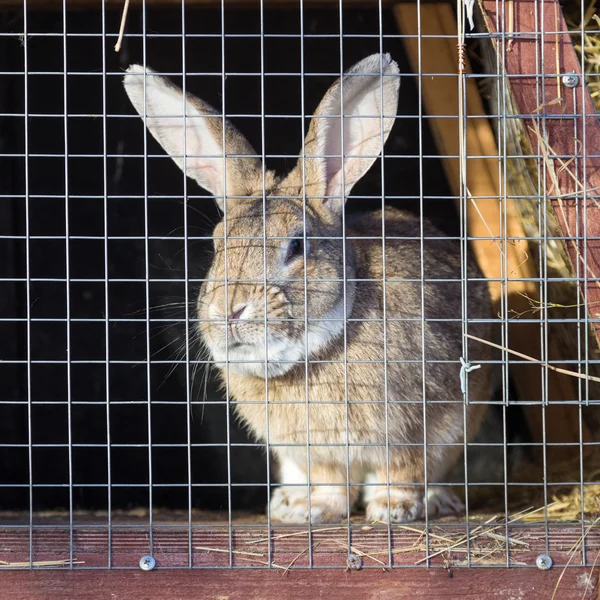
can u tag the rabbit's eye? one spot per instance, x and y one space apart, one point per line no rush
295 249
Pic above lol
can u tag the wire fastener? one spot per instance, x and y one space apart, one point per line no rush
570 80
147 563
466 367
354 562
543 562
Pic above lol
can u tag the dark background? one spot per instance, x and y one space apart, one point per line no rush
88 422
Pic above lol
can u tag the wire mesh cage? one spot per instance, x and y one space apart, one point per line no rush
301 286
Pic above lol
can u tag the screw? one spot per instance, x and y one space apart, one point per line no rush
354 562
543 562
570 80
147 563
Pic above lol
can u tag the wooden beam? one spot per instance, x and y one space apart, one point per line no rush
214 4
213 584
485 216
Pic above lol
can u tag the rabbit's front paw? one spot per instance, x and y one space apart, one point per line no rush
290 505
443 501
328 509
400 507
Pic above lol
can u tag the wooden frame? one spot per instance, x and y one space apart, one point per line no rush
210 544
425 584
118 4
289 576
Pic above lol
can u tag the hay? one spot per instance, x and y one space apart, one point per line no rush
534 360
39 564
567 505
586 39
122 26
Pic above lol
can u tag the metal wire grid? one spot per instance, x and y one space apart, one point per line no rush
190 320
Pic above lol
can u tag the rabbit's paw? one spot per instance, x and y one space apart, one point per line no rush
403 506
443 501
328 509
290 505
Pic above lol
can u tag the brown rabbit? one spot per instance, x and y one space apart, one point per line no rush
363 338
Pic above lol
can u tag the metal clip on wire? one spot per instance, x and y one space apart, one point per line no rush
461 58
466 368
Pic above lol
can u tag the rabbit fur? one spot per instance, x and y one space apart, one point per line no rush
361 364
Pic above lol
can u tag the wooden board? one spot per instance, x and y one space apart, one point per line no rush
117 4
485 217
534 60
426 584
288 576
296 547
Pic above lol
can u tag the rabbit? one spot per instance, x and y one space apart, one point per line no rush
354 381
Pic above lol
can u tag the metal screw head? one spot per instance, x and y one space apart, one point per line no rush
570 80
147 563
354 562
543 562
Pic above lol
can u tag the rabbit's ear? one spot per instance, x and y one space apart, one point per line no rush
202 131
334 163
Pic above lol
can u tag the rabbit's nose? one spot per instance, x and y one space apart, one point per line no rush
236 314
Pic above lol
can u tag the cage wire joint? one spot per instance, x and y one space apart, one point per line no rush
466 367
